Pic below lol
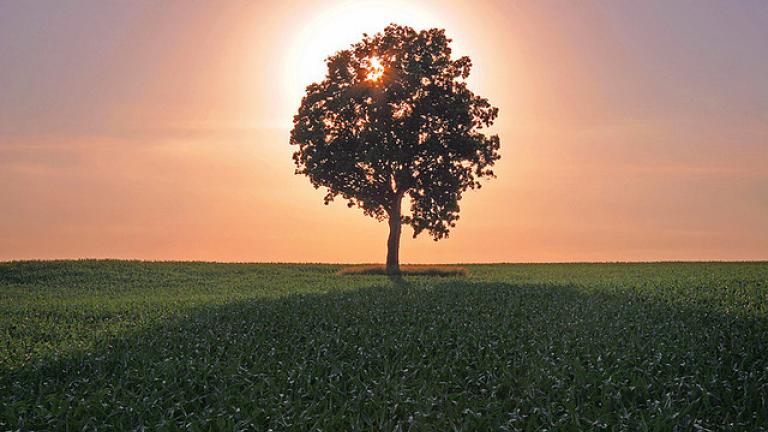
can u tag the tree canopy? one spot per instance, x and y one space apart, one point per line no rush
394 118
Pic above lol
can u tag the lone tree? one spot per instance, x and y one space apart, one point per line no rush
393 118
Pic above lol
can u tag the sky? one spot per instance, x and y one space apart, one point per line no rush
630 131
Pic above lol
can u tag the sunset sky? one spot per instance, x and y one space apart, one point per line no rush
630 130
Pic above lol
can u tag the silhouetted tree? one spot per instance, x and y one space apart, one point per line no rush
393 118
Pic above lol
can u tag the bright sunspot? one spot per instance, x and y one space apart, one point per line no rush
375 69
337 28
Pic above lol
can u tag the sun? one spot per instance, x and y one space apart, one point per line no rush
330 28
375 69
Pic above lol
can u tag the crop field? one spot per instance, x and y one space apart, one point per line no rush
117 345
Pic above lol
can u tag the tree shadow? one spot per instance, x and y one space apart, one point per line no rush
455 355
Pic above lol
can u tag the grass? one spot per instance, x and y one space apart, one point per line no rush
114 345
406 270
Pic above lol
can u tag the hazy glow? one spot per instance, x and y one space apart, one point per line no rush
629 130
323 30
375 69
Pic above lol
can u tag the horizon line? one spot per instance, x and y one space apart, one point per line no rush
172 261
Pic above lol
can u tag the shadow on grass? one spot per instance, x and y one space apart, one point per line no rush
458 355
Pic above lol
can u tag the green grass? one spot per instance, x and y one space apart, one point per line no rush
114 345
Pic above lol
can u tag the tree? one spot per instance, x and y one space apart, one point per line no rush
394 118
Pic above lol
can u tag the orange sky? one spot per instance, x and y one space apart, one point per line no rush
630 130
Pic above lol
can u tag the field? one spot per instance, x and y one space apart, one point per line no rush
115 345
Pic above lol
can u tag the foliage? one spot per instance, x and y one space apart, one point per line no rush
194 346
411 127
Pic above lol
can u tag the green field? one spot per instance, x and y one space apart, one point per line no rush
115 345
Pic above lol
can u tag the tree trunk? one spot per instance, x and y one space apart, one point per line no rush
393 243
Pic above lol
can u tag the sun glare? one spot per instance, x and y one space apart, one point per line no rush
320 35
375 69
